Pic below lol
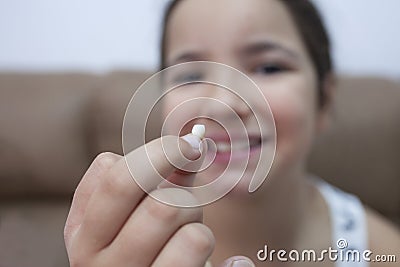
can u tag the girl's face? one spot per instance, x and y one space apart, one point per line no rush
259 38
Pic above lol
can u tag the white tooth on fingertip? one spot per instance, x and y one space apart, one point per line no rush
199 130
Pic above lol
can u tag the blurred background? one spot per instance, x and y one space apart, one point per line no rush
69 68
103 35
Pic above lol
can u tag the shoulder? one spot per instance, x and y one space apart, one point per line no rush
384 237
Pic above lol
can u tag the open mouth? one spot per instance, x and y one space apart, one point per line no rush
238 145
237 149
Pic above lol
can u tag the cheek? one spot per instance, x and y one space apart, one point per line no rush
176 113
294 110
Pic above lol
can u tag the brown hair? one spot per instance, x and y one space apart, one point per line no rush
311 28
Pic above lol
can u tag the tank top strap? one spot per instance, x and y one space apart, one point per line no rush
349 229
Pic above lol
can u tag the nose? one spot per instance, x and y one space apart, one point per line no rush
224 103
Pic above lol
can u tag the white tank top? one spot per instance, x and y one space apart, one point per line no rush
349 229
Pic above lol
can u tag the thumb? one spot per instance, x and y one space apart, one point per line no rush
238 261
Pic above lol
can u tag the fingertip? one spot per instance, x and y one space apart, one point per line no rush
238 261
193 140
106 160
190 146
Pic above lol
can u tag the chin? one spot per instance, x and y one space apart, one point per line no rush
241 189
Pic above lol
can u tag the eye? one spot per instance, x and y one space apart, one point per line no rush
188 77
269 69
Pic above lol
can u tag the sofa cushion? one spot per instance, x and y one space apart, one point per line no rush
31 233
361 151
43 142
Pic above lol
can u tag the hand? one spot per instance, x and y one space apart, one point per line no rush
112 222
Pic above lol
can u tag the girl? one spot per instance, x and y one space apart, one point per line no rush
281 45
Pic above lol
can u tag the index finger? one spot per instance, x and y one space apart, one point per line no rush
84 190
118 195
149 165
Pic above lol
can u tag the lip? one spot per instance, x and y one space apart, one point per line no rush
236 155
224 137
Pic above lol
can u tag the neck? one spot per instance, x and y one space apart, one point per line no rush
271 216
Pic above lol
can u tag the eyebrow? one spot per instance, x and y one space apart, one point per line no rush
186 57
265 46
251 49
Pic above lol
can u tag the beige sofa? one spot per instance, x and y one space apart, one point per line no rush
53 125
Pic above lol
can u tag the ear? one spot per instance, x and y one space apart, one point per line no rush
324 114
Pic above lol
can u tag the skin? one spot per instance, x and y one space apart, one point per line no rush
110 216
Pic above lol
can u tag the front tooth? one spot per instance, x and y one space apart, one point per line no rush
239 145
226 147
223 147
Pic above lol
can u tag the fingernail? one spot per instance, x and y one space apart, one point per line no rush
193 140
242 263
